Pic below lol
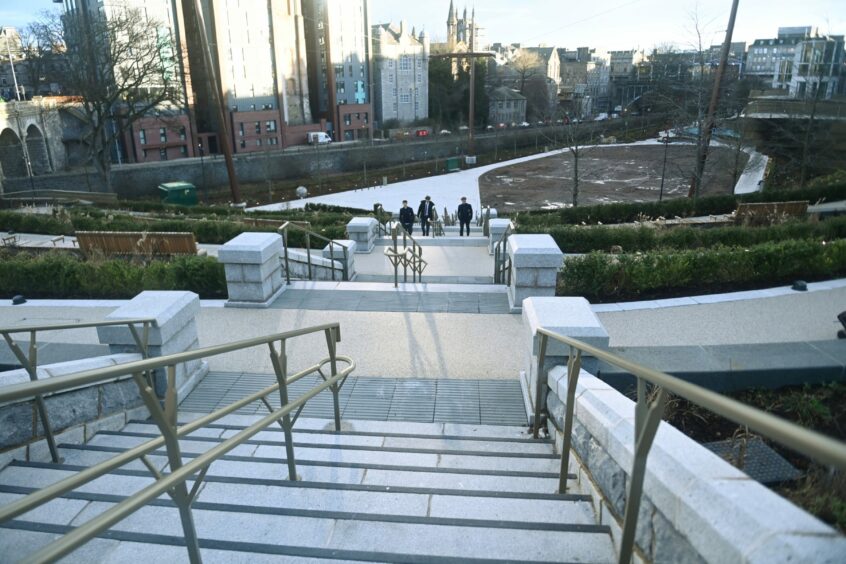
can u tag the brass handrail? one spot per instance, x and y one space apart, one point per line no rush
502 262
165 418
283 231
648 415
30 362
409 257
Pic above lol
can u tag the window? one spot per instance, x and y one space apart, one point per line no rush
341 88
339 71
258 127
142 135
405 63
162 154
183 150
241 129
182 134
273 141
405 98
144 153
163 135
419 77
258 142
390 63
419 63
347 119
270 126
243 144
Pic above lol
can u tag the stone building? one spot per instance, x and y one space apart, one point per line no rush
400 73
506 106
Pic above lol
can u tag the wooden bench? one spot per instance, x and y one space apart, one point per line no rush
765 213
9 240
137 243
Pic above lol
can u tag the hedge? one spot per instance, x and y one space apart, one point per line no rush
601 277
584 239
57 274
681 207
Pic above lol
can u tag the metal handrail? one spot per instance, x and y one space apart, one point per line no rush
502 261
648 415
30 362
283 231
409 257
165 418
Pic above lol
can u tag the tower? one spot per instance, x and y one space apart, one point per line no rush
451 25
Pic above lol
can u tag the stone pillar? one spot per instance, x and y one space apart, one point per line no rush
363 231
336 252
535 262
253 266
570 317
496 228
174 331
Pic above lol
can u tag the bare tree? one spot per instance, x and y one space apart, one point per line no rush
525 65
122 67
41 49
579 140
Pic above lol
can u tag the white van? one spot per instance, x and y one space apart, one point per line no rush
317 138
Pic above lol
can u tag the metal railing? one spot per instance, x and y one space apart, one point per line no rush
344 271
648 412
174 483
502 260
408 257
30 362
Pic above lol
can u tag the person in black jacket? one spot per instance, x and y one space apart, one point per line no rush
406 217
465 215
426 213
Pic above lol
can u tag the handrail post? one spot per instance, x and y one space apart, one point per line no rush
285 245
405 263
574 366
331 342
394 236
346 271
539 389
308 252
280 367
166 422
647 418
30 364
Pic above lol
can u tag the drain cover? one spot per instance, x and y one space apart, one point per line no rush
761 463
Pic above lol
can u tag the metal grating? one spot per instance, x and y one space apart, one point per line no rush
761 462
489 402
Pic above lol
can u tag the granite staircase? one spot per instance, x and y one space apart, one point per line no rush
376 492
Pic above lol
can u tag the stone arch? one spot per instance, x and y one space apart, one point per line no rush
11 154
36 146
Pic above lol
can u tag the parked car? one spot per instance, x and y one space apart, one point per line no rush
318 138
445 132
463 128
422 133
524 124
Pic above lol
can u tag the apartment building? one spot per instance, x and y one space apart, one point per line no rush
400 73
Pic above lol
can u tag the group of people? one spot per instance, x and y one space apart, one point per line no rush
427 214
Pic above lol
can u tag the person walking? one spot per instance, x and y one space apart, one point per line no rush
465 215
406 217
426 213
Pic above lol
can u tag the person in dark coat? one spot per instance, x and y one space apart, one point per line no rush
465 215
406 216
426 213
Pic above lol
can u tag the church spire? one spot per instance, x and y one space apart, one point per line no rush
451 19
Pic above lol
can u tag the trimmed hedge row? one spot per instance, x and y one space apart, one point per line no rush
601 277
681 207
581 239
57 274
205 231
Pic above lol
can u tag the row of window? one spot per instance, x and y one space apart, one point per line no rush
183 151
508 104
269 127
416 104
419 77
361 116
405 63
258 142
142 135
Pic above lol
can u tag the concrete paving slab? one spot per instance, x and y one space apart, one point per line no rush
56 512
460 481
510 509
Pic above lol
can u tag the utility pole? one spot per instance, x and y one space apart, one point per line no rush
214 83
708 125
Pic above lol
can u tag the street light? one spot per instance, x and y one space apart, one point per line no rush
203 168
5 34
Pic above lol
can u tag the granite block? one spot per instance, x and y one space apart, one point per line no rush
251 248
16 422
171 311
534 251
71 408
119 396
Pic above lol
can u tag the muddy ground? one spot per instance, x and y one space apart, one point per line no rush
606 174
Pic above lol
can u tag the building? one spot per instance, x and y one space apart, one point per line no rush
11 61
259 59
463 36
506 106
337 34
765 56
816 70
400 73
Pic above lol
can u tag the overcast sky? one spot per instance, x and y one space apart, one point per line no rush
611 25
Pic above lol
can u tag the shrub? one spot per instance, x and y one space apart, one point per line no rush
603 277
57 274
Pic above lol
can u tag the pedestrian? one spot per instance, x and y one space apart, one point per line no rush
406 217
426 213
465 214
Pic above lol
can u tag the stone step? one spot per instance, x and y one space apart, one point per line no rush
241 524
448 240
274 435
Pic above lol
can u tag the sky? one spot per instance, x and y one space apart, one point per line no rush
611 25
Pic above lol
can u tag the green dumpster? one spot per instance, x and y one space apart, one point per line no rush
183 193
453 164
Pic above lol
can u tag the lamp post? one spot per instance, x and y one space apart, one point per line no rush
12 64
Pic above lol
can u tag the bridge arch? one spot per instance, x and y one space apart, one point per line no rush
12 162
36 146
